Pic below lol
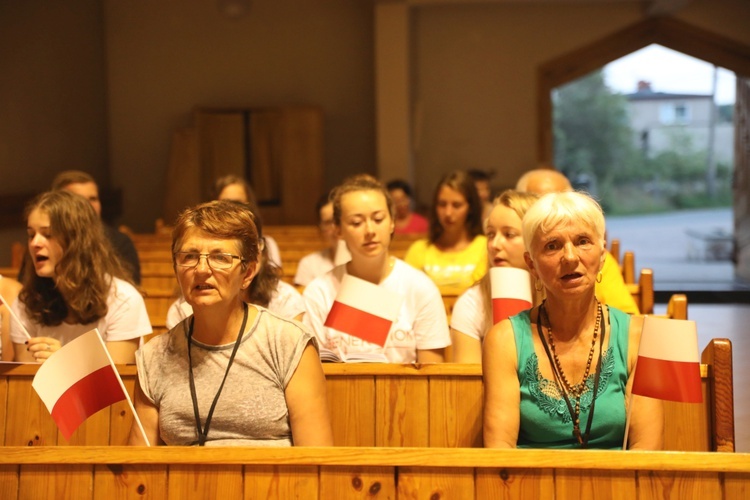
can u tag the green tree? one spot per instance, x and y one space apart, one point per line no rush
592 133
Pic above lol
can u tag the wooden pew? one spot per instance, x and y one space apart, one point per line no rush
614 249
643 291
677 308
356 473
437 406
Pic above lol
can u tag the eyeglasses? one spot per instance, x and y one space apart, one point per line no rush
214 260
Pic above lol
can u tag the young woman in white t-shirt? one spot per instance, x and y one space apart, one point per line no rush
363 214
73 282
472 314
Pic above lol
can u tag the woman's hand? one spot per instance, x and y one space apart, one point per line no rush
41 348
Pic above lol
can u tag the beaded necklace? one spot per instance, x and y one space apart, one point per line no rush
574 391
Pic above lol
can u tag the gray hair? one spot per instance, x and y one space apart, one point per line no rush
560 209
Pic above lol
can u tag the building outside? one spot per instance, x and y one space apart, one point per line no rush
658 119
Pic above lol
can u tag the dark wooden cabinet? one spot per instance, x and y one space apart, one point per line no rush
278 150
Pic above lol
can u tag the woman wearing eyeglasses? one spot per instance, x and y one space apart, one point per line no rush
73 283
232 373
266 289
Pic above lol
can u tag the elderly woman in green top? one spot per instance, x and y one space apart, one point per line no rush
560 374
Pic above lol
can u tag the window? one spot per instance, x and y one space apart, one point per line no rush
671 113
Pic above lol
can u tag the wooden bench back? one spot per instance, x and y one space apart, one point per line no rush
384 405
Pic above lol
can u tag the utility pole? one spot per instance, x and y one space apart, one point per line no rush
710 157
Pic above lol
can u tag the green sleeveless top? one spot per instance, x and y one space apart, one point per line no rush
545 419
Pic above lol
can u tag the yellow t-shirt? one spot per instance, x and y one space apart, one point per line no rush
454 271
612 290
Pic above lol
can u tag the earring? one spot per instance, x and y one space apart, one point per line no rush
538 285
599 277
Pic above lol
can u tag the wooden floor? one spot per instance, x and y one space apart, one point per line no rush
730 321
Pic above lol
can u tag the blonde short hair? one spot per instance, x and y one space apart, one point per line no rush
559 209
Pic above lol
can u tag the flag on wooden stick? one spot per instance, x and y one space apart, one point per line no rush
668 365
511 292
78 381
364 310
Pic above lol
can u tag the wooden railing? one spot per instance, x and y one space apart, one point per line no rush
344 473
382 405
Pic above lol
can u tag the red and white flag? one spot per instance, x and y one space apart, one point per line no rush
364 310
668 365
78 381
511 292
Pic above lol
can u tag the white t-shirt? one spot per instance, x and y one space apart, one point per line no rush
286 302
468 313
126 319
421 323
313 265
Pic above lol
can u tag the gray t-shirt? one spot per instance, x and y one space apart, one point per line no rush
251 410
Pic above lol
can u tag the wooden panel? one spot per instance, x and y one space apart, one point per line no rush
401 411
591 484
352 404
121 416
9 481
28 421
423 473
56 481
690 416
456 412
222 145
205 481
3 407
117 481
433 483
736 486
357 482
280 481
668 484
93 432
515 483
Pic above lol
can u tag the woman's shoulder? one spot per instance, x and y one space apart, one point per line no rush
478 243
122 291
326 281
122 287
404 272
271 324
419 245
165 343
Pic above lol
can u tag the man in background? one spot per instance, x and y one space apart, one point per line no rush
612 289
83 184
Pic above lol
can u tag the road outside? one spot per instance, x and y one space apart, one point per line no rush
663 243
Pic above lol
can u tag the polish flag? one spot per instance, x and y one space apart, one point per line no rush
668 365
364 310
511 292
78 381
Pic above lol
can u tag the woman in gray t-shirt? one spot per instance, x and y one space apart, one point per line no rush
232 373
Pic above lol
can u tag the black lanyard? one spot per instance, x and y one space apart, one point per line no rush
203 431
583 440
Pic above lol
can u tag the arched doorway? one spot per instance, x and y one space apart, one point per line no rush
682 37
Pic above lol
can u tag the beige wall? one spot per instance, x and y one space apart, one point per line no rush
165 57
52 92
